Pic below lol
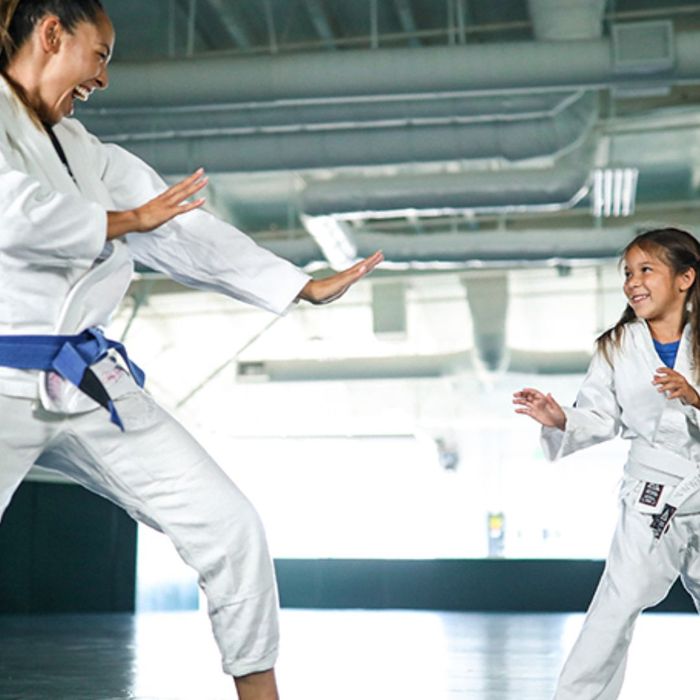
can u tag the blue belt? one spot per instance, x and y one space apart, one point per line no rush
70 356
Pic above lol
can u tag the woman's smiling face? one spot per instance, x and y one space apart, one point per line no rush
77 65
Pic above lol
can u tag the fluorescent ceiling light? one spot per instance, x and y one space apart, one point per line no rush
334 238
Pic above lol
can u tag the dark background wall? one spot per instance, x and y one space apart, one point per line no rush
527 585
63 549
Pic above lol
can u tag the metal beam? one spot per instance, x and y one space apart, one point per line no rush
205 25
464 17
407 20
319 18
231 19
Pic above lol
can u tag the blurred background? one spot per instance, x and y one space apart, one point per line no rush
501 154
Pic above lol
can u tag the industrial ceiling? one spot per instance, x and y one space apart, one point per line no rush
447 132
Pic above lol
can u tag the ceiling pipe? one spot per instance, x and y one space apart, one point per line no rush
143 123
377 197
471 250
361 145
482 248
483 69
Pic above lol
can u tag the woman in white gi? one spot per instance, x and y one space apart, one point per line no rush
642 383
74 215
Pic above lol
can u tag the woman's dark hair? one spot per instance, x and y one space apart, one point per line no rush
19 17
680 251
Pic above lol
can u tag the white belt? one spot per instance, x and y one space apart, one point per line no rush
645 459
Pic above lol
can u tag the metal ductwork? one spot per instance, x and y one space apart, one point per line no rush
343 75
357 143
382 197
473 250
150 123
477 249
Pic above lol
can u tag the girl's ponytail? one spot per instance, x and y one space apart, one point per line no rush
612 338
693 311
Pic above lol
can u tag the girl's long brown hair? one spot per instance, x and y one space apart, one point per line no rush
680 251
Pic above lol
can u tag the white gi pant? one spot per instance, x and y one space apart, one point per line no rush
638 574
160 475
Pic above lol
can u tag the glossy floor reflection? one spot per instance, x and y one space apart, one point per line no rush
327 655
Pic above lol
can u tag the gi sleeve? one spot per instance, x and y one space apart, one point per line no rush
196 248
41 225
594 417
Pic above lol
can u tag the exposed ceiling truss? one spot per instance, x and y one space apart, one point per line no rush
416 125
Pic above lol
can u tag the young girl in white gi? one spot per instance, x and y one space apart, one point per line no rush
67 202
642 383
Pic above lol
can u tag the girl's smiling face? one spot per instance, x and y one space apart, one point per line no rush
652 289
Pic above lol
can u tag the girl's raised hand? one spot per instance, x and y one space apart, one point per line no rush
675 386
540 407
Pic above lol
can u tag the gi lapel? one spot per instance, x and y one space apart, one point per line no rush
39 154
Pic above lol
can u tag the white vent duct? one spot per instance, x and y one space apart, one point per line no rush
443 194
355 140
123 124
473 250
344 75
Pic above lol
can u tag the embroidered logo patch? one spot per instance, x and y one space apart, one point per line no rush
660 523
651 493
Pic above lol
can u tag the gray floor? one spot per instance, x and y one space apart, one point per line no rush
329 655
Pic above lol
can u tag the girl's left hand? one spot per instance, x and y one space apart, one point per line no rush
675 386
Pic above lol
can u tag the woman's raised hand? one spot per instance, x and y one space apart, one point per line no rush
540 407
160 209
329 289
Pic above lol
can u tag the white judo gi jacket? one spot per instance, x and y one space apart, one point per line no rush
618 397
650 548
59 275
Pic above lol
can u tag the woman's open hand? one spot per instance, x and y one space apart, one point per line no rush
540 407
329 289
675 386
160 209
